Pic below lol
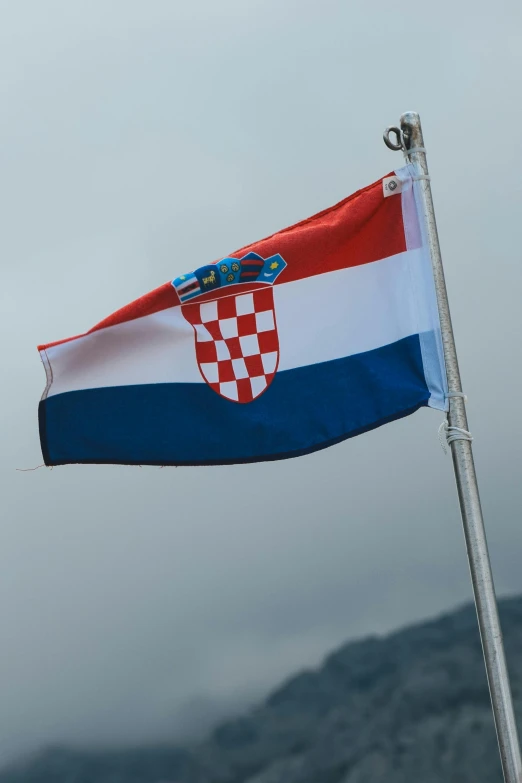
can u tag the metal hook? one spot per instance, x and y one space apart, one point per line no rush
399 145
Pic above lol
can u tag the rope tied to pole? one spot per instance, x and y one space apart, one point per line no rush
449 433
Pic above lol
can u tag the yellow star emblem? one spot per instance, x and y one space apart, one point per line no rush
274 265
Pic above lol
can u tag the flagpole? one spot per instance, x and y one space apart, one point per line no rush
410 139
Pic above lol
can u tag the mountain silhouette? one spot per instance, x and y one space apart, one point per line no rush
409 706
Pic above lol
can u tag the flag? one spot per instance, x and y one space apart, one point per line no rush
321 331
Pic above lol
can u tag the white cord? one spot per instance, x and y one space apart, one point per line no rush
448 434
408 152
451 394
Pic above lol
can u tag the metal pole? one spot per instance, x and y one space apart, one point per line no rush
467 487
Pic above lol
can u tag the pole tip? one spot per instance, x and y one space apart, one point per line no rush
410 116
411 128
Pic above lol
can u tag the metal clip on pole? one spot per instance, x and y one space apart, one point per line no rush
409 139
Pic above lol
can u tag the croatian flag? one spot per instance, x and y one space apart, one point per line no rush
320 332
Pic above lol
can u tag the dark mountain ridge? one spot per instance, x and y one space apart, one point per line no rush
406 707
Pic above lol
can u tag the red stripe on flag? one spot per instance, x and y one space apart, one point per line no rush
363 228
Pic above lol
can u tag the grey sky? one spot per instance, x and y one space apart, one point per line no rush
139 140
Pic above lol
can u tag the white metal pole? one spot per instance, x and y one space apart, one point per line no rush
411 138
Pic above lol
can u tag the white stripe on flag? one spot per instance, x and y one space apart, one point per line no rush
318 318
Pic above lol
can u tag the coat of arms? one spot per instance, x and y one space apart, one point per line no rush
231 308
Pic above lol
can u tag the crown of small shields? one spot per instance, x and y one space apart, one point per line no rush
252 268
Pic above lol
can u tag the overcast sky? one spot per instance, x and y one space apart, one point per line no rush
140 139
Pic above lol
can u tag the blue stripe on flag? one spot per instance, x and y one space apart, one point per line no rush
304 409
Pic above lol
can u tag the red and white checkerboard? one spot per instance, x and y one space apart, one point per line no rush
237 345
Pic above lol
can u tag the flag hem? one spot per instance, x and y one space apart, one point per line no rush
424 290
